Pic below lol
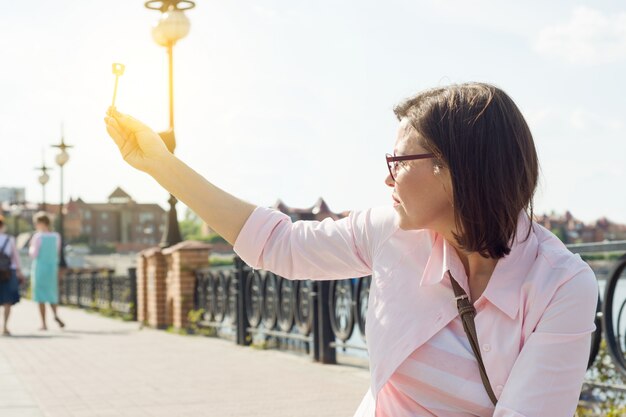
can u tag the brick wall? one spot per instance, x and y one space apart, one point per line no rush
182 260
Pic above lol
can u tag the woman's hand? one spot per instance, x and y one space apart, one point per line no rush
145 150
139 145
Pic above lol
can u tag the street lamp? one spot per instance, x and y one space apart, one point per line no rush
61 159
43 180
171 27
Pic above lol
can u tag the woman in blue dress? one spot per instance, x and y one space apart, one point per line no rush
9 289
44 249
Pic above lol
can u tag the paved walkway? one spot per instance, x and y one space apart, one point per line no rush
106 367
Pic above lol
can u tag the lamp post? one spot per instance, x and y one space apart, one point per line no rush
171 27
61 159
43 180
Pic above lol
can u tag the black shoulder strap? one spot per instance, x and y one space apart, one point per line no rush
468 312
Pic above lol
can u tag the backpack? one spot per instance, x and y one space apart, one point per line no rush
5 263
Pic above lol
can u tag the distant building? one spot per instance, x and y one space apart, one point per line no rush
12 195
121 221
571 230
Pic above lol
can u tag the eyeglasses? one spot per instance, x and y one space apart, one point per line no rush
392 161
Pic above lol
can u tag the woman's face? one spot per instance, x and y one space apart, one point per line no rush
422 191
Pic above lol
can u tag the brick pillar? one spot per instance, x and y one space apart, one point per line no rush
182 261
142 300
156 270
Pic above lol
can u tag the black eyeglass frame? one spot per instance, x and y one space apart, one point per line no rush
392 160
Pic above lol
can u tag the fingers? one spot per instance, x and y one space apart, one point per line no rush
126 123
113 129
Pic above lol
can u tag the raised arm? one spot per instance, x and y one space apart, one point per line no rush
143 149
264 238
307 249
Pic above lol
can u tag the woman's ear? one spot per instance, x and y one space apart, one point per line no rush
446 180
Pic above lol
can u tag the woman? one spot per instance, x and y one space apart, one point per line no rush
44 249
462 176
9 288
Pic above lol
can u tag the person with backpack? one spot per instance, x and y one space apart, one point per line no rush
10 275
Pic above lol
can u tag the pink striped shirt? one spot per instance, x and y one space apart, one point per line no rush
439 379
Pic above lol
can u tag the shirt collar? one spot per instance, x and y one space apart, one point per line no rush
507 278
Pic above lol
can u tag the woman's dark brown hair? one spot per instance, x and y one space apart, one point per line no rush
477 132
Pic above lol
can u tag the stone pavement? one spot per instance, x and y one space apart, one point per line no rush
105 367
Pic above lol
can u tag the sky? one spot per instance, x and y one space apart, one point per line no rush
293 100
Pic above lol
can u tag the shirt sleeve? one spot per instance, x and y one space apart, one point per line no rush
15 256
547 377
327 249
33 247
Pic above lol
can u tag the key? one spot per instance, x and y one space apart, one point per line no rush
118 69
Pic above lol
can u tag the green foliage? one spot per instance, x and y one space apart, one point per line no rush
174 330
215 238
22 225
608 403
191 229
103 249
221 260
191 226
210 238
82 239
104 311
194 318
560 233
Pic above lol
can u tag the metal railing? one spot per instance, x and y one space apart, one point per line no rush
101 290
247 303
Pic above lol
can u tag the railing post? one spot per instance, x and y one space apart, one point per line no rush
67 286
316 322
63 299
242 316
198 292
132 278
92 290
327 354
109 276
79 288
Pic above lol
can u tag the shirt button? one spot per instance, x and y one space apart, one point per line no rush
486 347
438 317
499 388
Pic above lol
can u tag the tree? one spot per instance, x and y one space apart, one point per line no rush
191 226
